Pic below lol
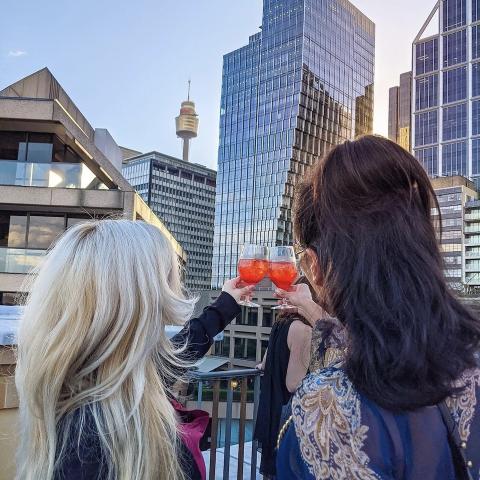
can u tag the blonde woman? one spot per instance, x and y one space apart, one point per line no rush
94 363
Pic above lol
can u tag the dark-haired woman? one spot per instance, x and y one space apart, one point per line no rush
403 401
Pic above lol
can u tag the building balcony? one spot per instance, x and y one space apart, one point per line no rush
472 229
20 260
472 217
472 255
472 268
472 241
50 175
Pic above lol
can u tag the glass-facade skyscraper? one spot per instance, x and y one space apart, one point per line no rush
446 91
302 84
400 111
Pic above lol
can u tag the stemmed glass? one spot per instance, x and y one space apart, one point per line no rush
283 271
252 267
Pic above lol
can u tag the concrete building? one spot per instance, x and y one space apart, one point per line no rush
446 90
400 111
303 84
55 170
454 194
472 245
182 194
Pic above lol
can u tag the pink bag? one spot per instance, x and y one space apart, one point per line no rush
194 423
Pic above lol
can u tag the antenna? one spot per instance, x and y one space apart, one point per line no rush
188 96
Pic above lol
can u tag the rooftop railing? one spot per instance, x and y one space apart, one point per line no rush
222 387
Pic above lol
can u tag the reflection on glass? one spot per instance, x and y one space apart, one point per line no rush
19 260
53 175
44 230
17 234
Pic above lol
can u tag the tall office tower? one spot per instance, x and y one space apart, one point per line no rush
446 90
400 111
182 194
302 84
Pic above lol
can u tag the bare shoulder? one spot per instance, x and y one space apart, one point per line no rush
298 333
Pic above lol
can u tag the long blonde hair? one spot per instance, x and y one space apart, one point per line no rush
92 340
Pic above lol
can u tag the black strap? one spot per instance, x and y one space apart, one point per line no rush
462 472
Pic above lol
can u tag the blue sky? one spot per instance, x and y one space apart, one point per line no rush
126 64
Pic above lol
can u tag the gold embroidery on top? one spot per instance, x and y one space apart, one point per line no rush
463 405
327 419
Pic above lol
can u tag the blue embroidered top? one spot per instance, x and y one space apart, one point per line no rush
336 433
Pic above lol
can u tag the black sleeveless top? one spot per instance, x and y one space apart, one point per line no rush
273 394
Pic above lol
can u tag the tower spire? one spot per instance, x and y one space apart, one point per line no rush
188 96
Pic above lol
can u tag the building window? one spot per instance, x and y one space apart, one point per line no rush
245 348
476 156
455 48
476 117
43 230
454 14
426 54
455 122
426 128
267 319
454 158
222 349
428 157
475 42
13 231
476 79
10 298
455 85
475 10
426 92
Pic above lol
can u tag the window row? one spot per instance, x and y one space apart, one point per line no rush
454 124
454 159
34 230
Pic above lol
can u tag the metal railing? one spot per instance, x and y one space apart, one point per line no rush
234 378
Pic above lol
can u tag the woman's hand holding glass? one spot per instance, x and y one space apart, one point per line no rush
299 297
237 289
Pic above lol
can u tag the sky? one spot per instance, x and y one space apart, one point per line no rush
126 63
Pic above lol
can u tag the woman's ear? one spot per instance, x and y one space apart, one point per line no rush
314 266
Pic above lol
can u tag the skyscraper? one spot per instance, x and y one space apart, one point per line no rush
400 111
182 194
302 84
446 90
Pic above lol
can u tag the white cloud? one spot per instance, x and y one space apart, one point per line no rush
16 53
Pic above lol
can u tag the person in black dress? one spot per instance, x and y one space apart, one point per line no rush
285 364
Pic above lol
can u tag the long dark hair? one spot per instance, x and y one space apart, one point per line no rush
366 212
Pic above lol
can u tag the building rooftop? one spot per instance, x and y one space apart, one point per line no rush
178 161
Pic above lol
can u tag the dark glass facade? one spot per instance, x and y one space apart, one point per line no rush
446 115
301 85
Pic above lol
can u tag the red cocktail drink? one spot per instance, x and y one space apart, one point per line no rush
283 274
251 271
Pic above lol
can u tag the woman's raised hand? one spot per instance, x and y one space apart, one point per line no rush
299 297
236 289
